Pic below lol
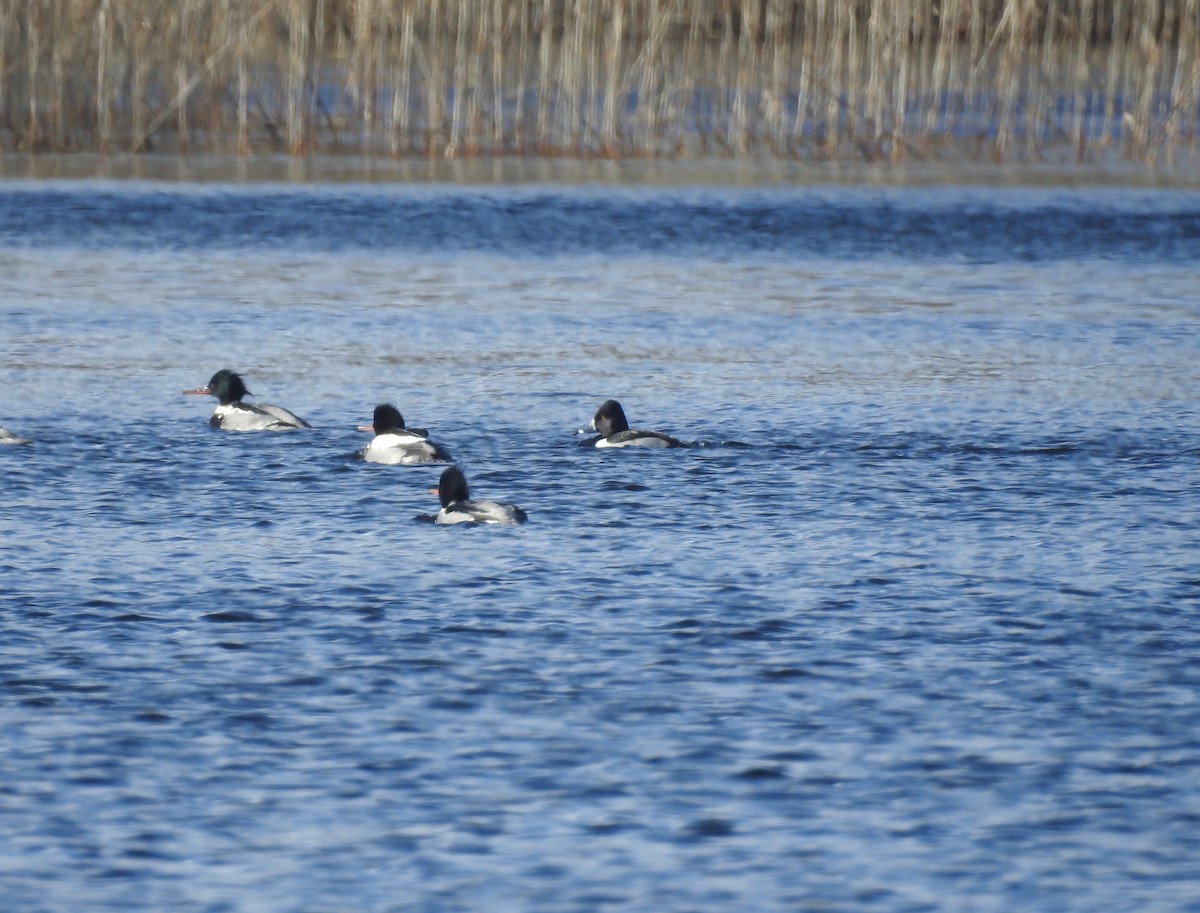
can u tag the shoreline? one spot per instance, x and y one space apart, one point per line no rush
713 172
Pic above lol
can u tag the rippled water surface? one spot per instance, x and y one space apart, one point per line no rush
913 627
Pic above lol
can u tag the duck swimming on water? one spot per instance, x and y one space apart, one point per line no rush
614 431
394 444
7 437
232 414
458 507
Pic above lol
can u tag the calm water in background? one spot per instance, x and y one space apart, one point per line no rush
915 628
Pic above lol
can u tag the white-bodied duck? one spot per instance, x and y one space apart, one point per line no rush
232 414
394 444
614 431
459 507
7 437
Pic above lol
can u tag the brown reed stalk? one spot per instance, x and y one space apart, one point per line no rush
977 41
587 34
1185 86
849 34
210 121
841 29
57 136
135 27
295 56
1150 52
6 93
474 27
103 75
925 19
806 83
458 81
690 121
437 67
512 118
1080 77
504 24
613 56
1041 75
32 59
726 66
545 87
775 89
183 85
656 81
904 26
572 61
941 82
399 136
241 26
1112 70
1005 41
361 85
739 61
879 55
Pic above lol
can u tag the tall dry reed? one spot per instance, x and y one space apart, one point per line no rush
1005 79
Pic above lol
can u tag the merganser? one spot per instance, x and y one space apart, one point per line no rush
7 437
395 444
232 414
614 431
457 506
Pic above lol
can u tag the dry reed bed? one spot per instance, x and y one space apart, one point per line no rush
1005 79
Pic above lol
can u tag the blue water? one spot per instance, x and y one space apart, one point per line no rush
913 627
